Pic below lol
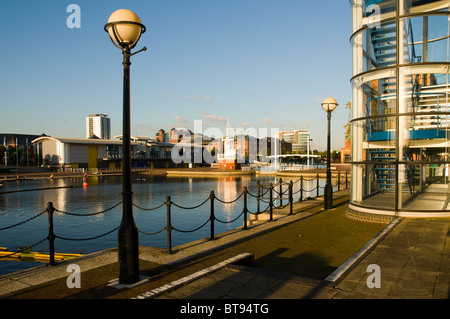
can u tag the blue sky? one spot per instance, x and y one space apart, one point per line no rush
264 64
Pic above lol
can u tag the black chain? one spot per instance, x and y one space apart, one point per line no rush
190 231
231 221
155 233
260 212
182 207
23 222
225 202
154 208
80 239
281 207
91 214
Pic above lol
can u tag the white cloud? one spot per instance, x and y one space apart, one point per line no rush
212 117
142 129
163 93
179 119
266 120
208 98
215 118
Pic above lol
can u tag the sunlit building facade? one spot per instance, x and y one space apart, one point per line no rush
300 140
400 108
98 126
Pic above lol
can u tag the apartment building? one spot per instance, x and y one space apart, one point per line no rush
98 126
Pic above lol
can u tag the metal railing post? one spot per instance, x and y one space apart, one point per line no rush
245 207
271 201
317 184
301 188
258 189
51 234
212 217
169 225
291 201
281 191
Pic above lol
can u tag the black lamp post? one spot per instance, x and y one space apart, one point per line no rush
125 29
328 105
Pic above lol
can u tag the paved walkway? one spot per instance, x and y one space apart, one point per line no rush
413 256
413 260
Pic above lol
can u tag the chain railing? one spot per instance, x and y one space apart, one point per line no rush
50 210
262 191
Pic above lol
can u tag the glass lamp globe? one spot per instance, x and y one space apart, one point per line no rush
329 104
124 28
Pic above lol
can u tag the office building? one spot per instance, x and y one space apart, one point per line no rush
98 126
298 138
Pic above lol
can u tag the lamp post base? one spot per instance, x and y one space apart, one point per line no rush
128 252
328 196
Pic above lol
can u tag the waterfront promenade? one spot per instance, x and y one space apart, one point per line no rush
272 263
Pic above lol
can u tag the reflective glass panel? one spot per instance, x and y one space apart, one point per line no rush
413 6
425 39
378 186
371 7
379 45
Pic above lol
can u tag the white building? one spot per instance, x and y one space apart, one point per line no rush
227 159
79 152
98 125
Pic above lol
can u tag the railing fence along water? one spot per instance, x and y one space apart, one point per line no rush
261 192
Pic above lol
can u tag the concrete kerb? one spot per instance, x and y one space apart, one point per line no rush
338 274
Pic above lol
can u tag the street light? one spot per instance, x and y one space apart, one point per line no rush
328 105
125 29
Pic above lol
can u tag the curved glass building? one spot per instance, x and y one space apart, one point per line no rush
400 109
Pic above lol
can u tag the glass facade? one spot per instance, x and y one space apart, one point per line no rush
400 107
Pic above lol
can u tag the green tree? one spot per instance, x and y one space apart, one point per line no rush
335 155
348 126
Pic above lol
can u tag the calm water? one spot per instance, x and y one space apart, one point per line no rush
105 192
